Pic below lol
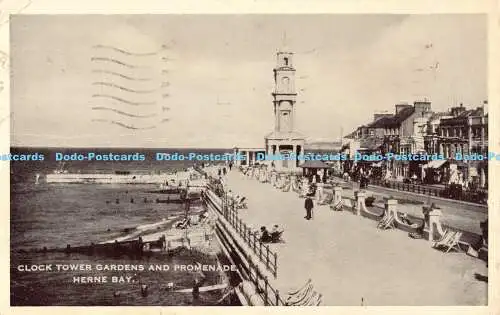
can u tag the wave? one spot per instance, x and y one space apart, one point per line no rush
126 52
121 75
122 112
123 88
113 122
106 59
123 100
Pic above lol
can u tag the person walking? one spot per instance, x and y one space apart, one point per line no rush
309 205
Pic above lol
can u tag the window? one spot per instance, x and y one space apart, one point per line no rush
286 61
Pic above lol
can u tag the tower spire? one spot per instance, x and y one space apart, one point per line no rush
284 42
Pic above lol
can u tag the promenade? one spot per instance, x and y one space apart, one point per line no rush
348 258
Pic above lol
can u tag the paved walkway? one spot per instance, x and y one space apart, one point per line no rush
348 258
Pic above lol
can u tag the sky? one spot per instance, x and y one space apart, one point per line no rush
206 80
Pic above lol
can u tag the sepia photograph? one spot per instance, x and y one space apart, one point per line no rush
249 160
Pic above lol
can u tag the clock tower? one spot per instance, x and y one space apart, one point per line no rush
284 140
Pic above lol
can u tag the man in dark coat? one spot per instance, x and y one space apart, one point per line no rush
309 205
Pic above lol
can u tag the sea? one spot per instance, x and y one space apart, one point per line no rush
55 215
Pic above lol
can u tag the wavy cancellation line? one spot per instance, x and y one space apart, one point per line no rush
113 122
119 99
124 88
121 75
118 62
122 112
126 52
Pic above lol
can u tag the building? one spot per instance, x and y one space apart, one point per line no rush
284 142
401 133
462 132
250 155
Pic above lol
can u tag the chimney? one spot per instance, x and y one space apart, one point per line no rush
457 110
377 116
422 107
401 106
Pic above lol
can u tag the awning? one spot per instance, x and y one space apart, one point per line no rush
435 163
314 164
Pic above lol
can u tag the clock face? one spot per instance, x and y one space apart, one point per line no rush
285 80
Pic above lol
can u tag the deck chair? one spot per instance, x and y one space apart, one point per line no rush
287 187
454 243
445 238
293 292
303 298
293 299
309 299
383 221
316 300
241 204
276 237
327 200
388 223
337 206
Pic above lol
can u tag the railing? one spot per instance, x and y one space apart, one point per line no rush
271 295
261 250
263 287
415 188
449 192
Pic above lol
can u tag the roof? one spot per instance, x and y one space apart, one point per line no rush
383 122
437 115
435 163
352 135
322 146
285 135
314 164
393 121
462 116
403 114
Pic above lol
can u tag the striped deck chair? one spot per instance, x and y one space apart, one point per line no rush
387 223
382 221
445 238
454 243
316 301
293 292
300 295
337 206
311 299
390 224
